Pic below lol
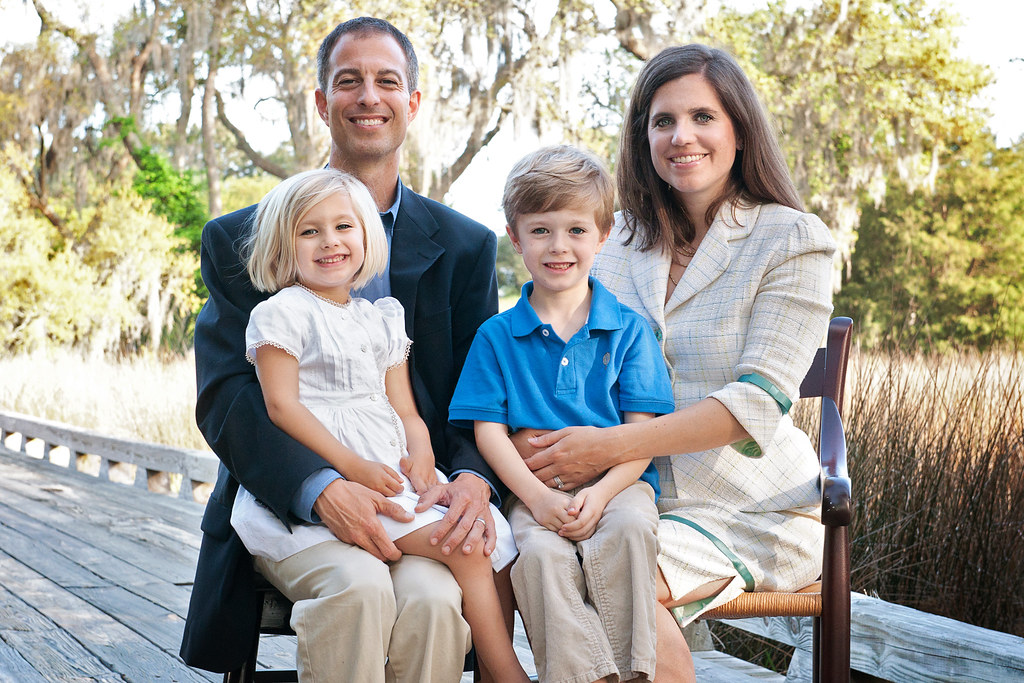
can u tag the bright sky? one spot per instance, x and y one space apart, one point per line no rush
990 36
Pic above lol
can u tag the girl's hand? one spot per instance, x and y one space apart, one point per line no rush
551 509
420 470
375 476
587 506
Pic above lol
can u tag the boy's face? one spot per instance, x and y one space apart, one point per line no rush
558 247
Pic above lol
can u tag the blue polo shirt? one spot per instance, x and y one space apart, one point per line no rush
521 374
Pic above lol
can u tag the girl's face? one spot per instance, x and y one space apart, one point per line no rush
693 144
329 247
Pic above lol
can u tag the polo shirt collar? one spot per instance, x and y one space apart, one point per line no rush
604 311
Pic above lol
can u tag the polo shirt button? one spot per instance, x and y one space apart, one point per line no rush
393 442
545 332
363 348
373 397
565 361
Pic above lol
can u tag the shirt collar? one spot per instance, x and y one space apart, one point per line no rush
604 311
393 210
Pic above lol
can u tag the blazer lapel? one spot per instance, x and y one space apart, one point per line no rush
649 271
413 251
714 254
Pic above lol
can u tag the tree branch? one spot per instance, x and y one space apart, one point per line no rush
243 144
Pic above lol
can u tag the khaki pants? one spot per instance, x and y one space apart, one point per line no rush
359 619
592 619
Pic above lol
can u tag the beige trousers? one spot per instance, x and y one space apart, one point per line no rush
359 619
590 615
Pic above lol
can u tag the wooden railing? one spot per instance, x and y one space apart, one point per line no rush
188 473
897 643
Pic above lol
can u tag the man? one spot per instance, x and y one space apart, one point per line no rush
356 616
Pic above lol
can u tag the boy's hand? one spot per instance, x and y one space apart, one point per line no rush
420 470
376 477
551 509
588 506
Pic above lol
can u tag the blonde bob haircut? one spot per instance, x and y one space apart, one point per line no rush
269 249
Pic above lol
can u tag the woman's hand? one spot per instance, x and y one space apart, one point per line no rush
551 509
375 476
575 455
588 505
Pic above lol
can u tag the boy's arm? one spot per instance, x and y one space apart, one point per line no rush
419 464
278 372
548 506
588 505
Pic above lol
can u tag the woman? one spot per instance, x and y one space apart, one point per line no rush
713 248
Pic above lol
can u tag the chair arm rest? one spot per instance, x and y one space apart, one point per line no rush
836 496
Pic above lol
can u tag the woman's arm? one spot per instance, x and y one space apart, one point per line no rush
578 454
419 464
278 373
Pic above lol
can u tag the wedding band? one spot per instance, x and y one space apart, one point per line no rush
558 481
481 520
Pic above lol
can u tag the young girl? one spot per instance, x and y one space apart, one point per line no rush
334 376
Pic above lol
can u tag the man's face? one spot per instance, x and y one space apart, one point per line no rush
367 105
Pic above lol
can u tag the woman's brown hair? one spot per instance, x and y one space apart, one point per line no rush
652 214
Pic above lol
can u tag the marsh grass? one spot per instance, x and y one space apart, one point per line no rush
936 455
139 398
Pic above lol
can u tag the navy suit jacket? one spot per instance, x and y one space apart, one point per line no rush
442 271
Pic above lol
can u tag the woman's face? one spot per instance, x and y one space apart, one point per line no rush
693 144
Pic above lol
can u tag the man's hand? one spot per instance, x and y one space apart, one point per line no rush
467 499
574 454
350 511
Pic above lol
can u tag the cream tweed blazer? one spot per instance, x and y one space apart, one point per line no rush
756 297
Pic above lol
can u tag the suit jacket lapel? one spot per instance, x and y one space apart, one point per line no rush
412 251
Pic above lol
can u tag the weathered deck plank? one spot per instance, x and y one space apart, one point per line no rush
93 577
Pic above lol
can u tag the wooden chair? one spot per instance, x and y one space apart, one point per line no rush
827 600
273 616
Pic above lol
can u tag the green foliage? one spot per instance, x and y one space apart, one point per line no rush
176 195
939 269
512 272
238 193
111 279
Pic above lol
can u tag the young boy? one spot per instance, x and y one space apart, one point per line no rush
569 354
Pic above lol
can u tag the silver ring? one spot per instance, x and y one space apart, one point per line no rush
558 482
481 520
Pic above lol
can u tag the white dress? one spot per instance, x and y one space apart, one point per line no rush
344 352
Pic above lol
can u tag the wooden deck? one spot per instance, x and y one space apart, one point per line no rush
95 579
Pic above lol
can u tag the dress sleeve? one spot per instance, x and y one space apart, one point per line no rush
276 323
397 344
788 320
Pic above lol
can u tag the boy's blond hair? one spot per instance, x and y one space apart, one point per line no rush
553 178
269 249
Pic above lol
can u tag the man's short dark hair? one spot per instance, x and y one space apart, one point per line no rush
364 26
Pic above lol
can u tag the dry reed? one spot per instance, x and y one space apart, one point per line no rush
137 398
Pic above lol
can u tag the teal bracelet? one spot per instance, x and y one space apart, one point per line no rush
758 381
